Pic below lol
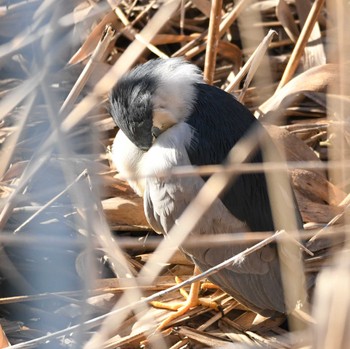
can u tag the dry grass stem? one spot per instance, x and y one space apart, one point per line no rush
212 44
79 262
107 36
50 202
135 35
10 146
251 66
301 43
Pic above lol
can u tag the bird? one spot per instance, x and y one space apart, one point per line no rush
168 116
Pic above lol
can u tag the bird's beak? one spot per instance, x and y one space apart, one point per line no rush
162 120
156 132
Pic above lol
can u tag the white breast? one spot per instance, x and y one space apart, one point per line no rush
126 158
168 150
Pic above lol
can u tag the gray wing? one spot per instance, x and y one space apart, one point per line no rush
255 281
166 199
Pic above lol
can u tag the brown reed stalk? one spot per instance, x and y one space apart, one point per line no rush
301 43
213 38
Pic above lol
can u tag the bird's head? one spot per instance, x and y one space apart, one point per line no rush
153 97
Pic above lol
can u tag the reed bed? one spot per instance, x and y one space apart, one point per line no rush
79 263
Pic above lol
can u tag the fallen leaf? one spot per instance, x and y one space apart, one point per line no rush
314 79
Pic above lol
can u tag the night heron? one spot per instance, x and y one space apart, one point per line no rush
168 116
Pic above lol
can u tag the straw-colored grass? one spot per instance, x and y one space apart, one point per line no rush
79 263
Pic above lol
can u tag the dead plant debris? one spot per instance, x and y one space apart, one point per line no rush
74 238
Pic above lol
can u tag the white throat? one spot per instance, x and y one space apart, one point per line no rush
168 150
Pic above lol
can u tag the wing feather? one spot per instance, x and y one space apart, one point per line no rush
255 280
219 121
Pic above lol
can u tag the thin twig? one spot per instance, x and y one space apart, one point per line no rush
153 242
255 63
190 45
116 285
232 16
15 97
129 28
301 43
225 24
246 68
232 305
244 168
29 171
324 231
10 146
50 202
